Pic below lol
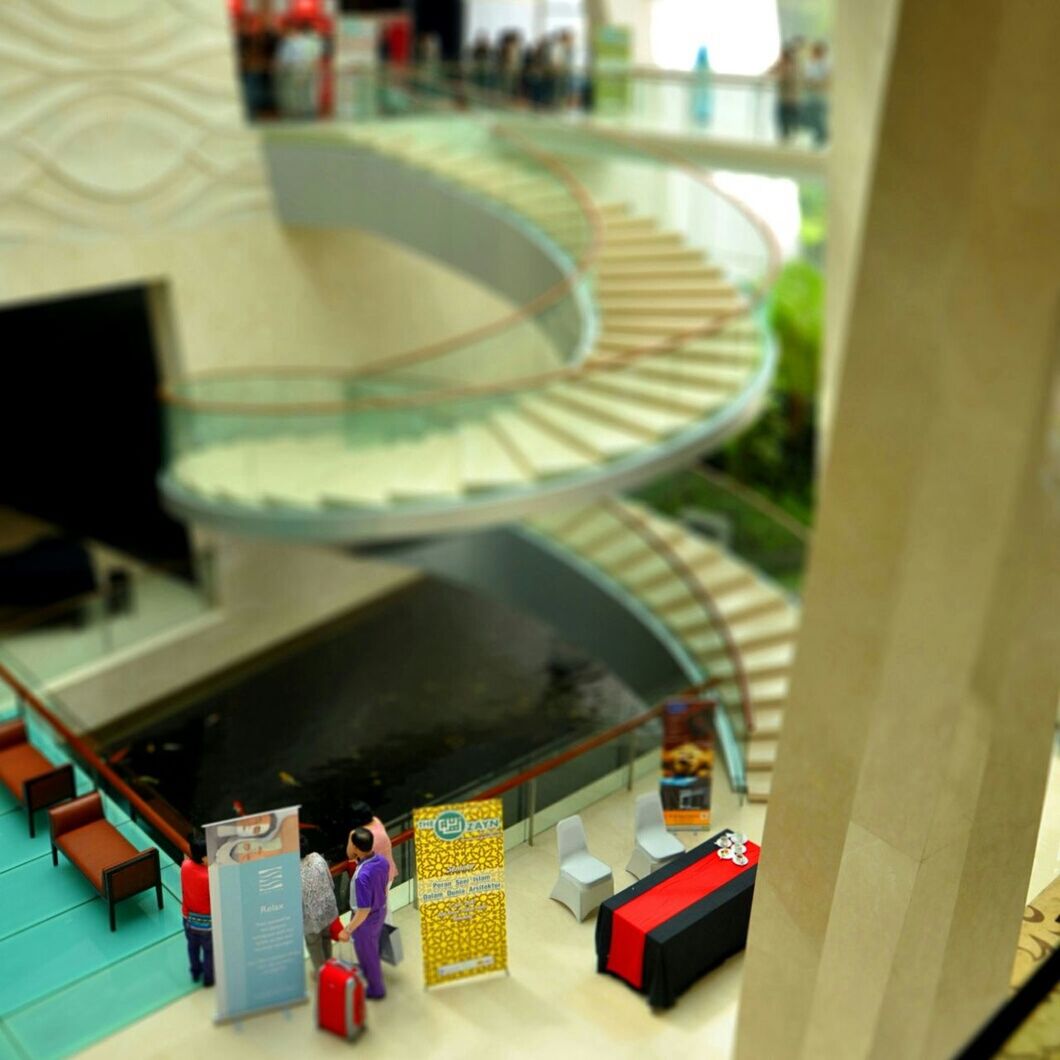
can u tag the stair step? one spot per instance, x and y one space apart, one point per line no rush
764 733
603 438
694 398
700 307
659 273
565 524
648 255
540 450
762 631
652 578
676 369
358 482
657 326
771 661
629 223
644 237
485 461
630 551
626 413
429 467
663 290
769 718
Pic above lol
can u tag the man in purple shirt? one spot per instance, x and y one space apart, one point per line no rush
369 901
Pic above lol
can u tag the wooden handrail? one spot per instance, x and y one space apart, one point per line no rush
755 500
699 593
431 351
86 753
614 362
89 757
533 772
598 364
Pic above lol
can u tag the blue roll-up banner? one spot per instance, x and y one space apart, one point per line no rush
256 904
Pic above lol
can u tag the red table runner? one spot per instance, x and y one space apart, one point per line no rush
631 922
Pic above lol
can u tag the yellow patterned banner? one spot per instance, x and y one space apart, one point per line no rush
460 886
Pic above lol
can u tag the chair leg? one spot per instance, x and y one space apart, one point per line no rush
158 893
110 906
32 824
55 855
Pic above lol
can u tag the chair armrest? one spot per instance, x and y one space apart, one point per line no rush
130 877
75 814
49 788
12 733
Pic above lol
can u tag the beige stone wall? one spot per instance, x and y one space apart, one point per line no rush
268 592
909 782
864 33
124 159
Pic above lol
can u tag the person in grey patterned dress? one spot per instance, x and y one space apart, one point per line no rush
320 912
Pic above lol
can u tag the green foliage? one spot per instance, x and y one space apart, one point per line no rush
812 227
776 456
796 313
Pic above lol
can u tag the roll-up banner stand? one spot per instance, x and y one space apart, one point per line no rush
256 905
460 888
687 764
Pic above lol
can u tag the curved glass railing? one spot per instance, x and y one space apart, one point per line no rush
686 104
721 510
238 436
549 326
539 792
633 547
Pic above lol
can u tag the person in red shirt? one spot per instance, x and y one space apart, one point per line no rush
198 926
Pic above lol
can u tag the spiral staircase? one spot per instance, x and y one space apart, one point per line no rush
668 360
661 356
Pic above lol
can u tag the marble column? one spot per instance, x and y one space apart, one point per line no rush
910 776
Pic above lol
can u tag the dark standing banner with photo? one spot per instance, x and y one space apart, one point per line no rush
687 763
256 904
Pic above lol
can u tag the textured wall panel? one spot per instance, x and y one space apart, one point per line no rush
120 116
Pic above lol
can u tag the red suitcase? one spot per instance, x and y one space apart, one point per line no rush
340 999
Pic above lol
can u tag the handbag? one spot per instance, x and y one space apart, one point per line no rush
391 949
342 891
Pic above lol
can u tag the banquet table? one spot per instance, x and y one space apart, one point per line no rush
670 928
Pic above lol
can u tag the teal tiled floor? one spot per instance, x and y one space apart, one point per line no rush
105 1001
64 948
67 979
30 894
8 1049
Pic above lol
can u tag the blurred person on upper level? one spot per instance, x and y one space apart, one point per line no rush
509 60
298 70
702 88
256 42
816 79
788 77
482 61
563 62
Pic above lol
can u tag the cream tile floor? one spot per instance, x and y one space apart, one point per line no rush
552 1005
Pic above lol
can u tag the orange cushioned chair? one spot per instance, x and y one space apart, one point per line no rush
28 775
101 853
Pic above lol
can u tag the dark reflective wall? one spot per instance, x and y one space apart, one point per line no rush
80 426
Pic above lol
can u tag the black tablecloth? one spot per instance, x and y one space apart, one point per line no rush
693 941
